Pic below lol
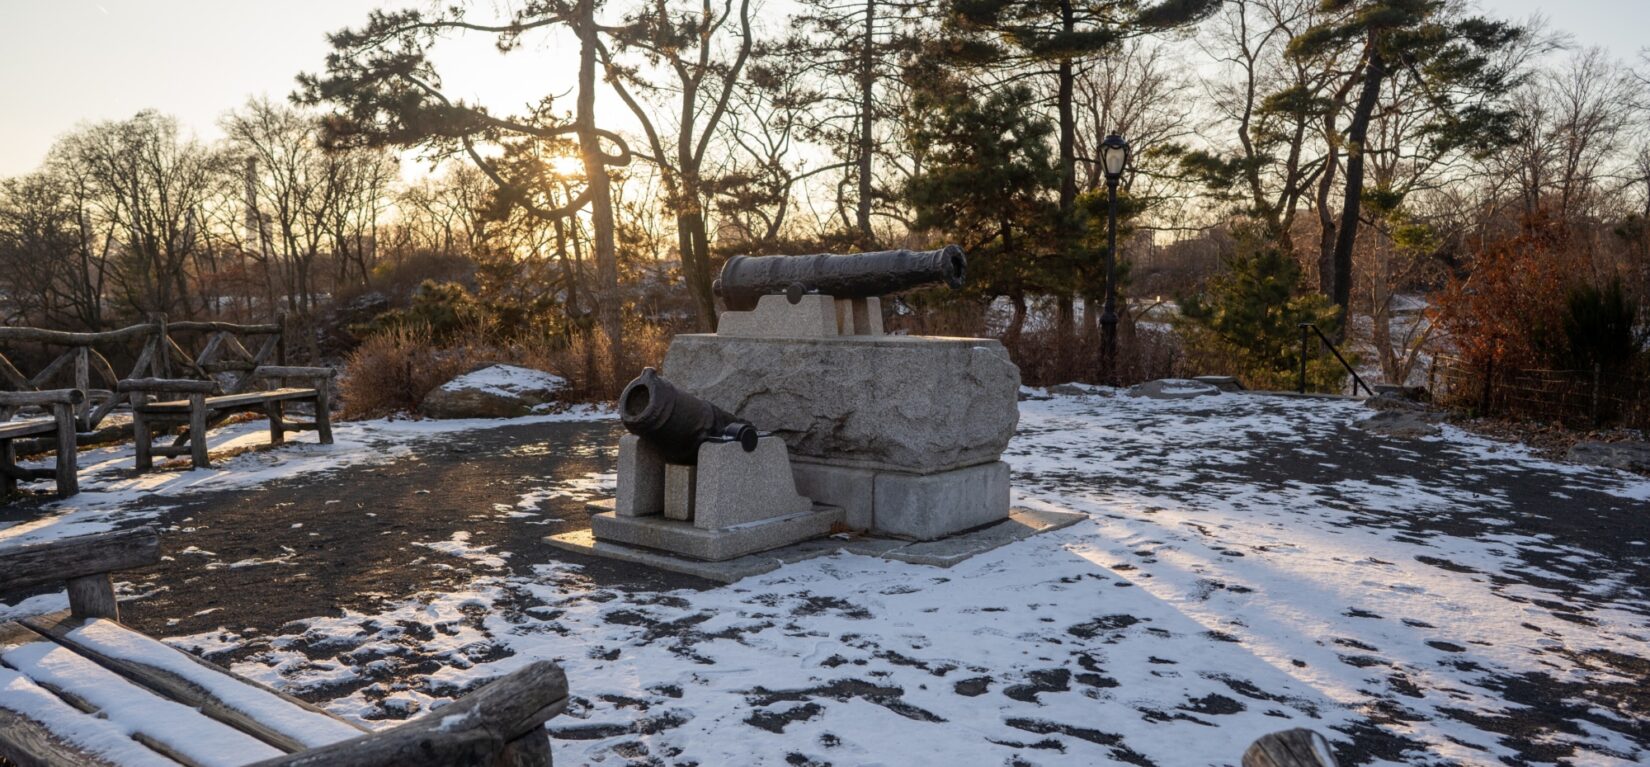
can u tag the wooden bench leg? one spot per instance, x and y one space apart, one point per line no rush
144 442
68 476
530 750
8 457
277 432
197 430
93 596
323 413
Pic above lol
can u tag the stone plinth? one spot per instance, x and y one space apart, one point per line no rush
910 404
921 507
731 504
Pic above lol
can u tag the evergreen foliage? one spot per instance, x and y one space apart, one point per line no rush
1247 319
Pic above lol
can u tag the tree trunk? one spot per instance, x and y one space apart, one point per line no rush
1357 133
601 194
867 118
1066 326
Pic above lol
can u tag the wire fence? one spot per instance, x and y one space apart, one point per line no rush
1577 398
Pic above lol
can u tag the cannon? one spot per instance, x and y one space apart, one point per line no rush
677 423
745 279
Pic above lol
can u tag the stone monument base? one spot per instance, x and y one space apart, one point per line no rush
922 507
947 552
715 544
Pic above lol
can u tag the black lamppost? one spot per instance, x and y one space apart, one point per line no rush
1114 155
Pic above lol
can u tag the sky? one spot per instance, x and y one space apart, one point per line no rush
67 62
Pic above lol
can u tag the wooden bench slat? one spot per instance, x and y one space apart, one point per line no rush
269 715
37 727
176 730
31 428
249 399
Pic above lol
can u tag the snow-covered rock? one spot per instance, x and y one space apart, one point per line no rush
1173 388
495 391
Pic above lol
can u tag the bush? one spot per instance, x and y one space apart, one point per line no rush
1601 326
1246 323
393 369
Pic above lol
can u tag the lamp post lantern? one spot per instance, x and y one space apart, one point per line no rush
1114 155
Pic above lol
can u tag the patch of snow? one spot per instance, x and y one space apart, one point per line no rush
506 380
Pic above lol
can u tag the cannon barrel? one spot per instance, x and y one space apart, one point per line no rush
675 422
745 279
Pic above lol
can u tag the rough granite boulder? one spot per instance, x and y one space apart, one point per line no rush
1407 424
1629 455
902 403
495 391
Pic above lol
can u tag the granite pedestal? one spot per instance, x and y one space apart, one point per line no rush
904 433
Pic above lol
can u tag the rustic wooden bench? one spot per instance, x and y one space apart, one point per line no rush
79 688
78 364
202 399
61 403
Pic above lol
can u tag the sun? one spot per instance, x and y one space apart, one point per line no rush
566 166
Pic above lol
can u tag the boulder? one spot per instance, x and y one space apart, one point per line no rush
1400 391
903 403
1383 401
1406 424
1629 455
494 391
1173 388
1223 383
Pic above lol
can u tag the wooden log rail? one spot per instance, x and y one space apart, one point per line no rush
84 359
84 562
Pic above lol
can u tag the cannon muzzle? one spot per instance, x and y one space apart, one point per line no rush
745 279
677 423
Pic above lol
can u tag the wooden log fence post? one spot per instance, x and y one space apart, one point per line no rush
197 430
68 478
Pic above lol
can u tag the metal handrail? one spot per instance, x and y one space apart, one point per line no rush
1356 380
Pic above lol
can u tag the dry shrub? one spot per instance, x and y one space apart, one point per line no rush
586 359
392 370
1143 354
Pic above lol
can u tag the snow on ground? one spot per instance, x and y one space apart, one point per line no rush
1250 564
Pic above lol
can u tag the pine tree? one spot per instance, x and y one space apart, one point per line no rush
985 170
1453 59
1248 316
1023 35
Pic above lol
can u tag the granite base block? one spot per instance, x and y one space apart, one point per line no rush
920 507
928 506
715 544
1021 524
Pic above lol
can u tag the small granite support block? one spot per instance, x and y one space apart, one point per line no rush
739 488
929 506
815 316
680 482
714 545
852 489
859 316
641 479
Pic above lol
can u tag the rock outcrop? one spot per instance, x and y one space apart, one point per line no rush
495 391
